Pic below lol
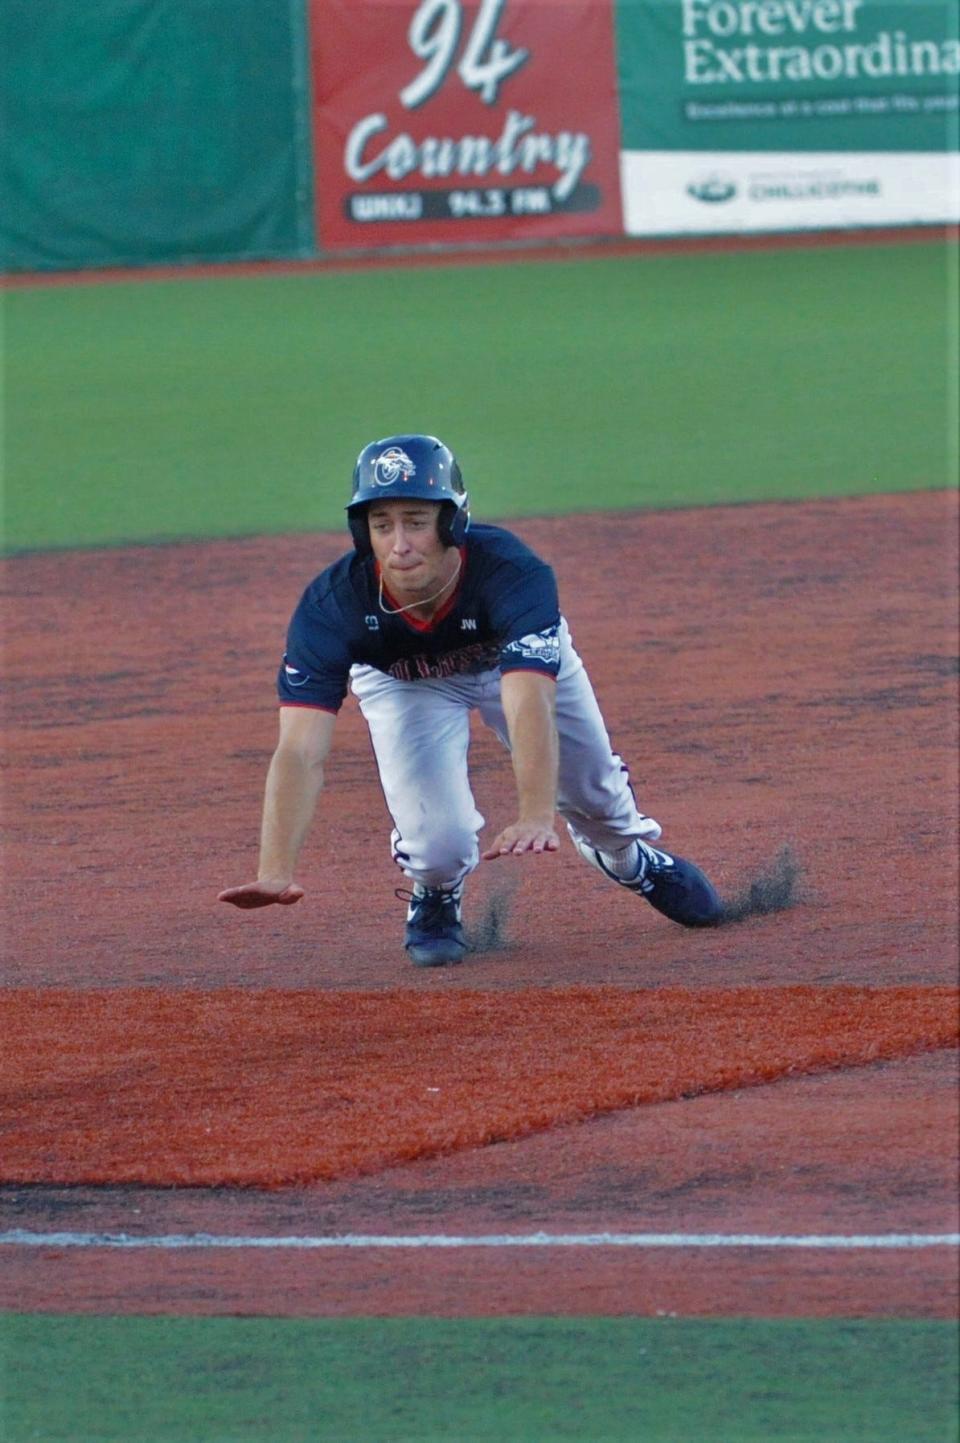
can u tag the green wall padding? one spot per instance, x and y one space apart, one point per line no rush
144 131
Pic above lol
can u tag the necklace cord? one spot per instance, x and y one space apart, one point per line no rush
391 611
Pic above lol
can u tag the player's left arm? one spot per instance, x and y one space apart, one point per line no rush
529 705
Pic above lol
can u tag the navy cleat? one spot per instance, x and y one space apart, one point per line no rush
671 884
434 932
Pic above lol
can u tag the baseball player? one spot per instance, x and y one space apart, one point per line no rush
427 619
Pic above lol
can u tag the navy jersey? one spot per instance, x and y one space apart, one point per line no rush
504 613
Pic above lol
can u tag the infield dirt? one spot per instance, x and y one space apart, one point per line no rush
774 674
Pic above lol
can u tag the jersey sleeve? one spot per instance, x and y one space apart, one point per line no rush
527 615
316 663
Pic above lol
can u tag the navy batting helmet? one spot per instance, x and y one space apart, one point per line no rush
416 466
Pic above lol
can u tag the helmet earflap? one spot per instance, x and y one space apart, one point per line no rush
360 531
454 523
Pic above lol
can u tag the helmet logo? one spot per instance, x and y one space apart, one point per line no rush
392 465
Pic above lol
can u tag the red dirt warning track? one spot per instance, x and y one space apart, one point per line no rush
598 249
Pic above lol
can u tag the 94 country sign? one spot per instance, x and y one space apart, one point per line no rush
447 121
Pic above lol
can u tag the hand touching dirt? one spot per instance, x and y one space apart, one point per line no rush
263 894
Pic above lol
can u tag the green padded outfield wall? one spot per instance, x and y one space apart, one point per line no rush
144 131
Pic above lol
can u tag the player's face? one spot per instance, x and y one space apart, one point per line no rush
413 559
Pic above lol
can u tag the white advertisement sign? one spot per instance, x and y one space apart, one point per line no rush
675 192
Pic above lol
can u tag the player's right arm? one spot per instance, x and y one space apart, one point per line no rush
294 782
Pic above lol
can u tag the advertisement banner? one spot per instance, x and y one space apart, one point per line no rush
673 192
446 122
788 114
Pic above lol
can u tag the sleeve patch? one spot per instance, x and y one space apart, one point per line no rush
293 676
321 687
542 647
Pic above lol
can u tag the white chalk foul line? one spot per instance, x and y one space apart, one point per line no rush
21 1238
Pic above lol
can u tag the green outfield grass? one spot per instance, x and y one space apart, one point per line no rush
514 1380
237 406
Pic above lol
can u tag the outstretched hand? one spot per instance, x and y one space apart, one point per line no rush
522 837
262 894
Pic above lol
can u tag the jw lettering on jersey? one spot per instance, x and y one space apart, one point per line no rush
504 613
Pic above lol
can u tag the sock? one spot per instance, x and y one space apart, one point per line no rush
452 889
627 864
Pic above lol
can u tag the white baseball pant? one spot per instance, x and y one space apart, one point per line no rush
421 735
